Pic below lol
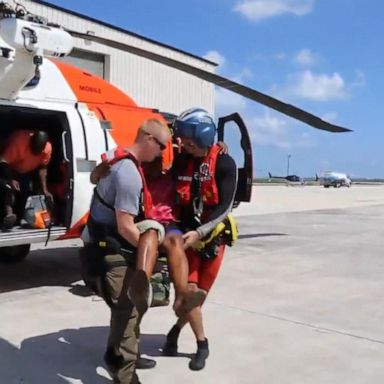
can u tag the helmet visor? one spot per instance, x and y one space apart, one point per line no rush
184 129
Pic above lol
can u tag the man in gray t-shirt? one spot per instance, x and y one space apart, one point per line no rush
115 210
121 189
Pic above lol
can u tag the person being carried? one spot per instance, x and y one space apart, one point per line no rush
161 186
206 182
26 151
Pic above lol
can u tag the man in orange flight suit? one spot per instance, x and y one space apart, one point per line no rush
26 151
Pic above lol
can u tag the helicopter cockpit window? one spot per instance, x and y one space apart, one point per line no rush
92 62
105 125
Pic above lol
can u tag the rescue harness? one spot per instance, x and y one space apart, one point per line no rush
208 188
225 232
114 156
106 236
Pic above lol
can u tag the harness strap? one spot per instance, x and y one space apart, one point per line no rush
120 154
102 201
49 206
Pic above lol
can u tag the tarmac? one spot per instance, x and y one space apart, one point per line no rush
298 300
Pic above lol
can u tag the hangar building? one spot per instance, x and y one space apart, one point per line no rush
150 84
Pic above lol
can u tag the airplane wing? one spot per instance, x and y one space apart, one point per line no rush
220 81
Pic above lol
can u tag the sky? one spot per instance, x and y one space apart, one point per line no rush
324 56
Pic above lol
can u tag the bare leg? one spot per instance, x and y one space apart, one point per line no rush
178 266
147 252
185 298
139 289
194 317
199 358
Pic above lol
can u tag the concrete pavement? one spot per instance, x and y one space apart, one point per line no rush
298 300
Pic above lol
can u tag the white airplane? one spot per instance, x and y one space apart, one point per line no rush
334 179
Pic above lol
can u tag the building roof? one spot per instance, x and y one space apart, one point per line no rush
46 3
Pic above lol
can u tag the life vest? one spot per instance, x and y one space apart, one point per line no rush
119 153
208 187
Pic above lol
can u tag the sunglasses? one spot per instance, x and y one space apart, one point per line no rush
161 145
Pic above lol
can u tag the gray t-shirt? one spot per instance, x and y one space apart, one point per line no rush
122 189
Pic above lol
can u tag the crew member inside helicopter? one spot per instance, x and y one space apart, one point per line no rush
24 156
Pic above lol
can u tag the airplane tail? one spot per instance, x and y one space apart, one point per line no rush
317 177
269 174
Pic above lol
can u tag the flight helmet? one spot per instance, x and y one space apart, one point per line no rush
196 124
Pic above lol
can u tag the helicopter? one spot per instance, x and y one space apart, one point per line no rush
86 116
290 178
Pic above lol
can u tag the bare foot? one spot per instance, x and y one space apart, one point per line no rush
139 291
183 304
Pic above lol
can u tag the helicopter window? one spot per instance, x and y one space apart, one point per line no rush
89 61
105 125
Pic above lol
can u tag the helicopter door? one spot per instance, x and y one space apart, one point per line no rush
95 138
245 165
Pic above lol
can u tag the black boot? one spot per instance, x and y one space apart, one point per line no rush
9 222
170 346
198 360
145 363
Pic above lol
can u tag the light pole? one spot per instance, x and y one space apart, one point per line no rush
288 157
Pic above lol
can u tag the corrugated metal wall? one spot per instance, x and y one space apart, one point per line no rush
150 84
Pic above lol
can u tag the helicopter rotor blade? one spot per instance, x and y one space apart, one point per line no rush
220 81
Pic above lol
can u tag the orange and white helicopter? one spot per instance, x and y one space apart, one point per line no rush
86 116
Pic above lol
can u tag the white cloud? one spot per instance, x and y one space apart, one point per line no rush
318 87
266 127
305 57
330 117
268 130
216 57
256 10
243 76
226 100
272 130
